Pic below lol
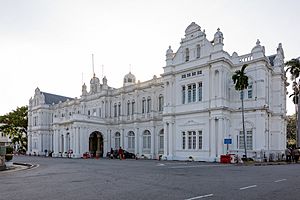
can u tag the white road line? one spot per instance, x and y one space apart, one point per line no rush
200 197
280 180
193 166
251 186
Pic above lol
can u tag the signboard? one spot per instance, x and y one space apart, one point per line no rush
228 141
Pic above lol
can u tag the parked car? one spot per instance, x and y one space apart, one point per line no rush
129 155
125 153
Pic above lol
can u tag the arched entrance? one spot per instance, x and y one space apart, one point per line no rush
96 144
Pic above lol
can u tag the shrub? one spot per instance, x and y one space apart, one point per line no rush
9 153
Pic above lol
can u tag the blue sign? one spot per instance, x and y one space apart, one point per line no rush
228 141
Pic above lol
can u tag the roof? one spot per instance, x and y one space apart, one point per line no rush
53 98
271 58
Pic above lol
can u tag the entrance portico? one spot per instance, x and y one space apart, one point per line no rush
96 144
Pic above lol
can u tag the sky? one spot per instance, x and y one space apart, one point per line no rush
48 44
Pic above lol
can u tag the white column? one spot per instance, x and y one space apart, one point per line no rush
166 139
29 149
153 133
136 143
122 139
170 141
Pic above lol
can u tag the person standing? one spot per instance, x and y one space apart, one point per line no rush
288 154
120 153
111 153
296 154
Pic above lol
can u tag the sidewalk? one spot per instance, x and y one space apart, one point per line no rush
17 167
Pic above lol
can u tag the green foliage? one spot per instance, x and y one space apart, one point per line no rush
15 126
291 130
240 79
294 67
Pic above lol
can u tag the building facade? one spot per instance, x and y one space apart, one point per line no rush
187 112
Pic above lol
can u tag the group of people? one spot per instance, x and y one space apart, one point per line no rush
120 153
292 154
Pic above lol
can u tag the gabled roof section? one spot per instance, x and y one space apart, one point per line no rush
271 59
53 98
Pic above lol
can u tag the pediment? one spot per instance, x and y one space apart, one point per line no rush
191 123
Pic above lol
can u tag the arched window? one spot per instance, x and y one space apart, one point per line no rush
143 105
147 140
115 110
128 108
117 140
119 109
161 140
148 104
187 54
131 140
132 107
249 140
198 50
160 103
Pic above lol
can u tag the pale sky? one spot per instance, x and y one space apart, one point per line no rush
48 44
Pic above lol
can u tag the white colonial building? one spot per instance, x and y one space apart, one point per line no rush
188 111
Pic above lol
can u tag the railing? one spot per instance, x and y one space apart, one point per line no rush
246 58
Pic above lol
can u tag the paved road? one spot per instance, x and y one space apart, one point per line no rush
58 178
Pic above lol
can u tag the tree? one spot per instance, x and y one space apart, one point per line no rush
241 83
15 126
294 67
291 130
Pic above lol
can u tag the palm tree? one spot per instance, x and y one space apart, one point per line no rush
294 67
241 83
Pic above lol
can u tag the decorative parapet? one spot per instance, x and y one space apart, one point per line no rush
245 58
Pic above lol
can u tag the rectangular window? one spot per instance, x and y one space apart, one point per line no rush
194 139
249 140
193 73
189 93
194 92
183 76
190 140
250 91
183 140
198 51
200 140
200 91
119 109
199 72
187 55
183 94
188 74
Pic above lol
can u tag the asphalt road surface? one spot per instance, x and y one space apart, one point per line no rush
62 178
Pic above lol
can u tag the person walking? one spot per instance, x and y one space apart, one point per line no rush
288 155
120 153
111 153
296 154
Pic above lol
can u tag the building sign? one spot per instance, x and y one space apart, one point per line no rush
228 141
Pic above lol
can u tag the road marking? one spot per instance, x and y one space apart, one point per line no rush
280 180
200 197
193 166
160 164
251 186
